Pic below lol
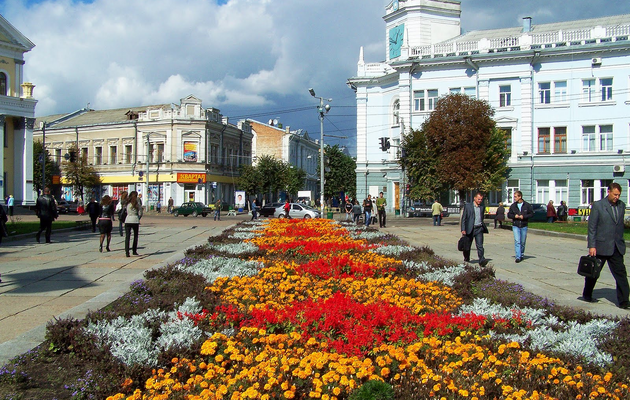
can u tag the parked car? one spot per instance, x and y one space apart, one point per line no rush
269 209
419 209
540 213
63 207
193 208
297 211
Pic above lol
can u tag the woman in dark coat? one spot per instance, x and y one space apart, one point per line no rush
106 221
500 216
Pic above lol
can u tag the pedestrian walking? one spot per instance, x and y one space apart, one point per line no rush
436 211
94 210
121 210
46 210
254 209
563 211
169 208
520 212
10 204
158 207
472 226
551 212
499 217
381 202
287 208
356 211
367 209
132 222
106 221
605 241
348 207
217 210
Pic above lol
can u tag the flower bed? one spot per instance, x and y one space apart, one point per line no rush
331 309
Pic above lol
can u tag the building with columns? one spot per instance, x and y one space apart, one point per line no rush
293 147
560 90
17 116
184 151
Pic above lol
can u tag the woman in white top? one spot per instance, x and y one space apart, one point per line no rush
132 222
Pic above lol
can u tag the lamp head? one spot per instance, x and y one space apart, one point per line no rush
327 107
311 91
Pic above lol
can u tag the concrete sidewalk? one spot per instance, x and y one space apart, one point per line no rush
70 277
548 270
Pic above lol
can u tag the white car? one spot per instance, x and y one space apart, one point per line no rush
297 211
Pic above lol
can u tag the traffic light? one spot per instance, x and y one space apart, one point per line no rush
73 156
384 143
408 189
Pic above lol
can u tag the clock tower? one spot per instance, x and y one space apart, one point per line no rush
411 23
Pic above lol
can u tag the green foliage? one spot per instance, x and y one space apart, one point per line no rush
458 147
80 175
249 179
373 390
340 172
51 167
270 176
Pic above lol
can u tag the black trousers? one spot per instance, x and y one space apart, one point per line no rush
477 234
382 218
45 225
94 219
618 271
128 229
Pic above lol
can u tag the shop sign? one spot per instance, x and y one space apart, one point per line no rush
191 177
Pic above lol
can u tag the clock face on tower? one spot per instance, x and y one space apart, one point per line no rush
395 40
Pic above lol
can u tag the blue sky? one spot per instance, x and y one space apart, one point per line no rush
248 58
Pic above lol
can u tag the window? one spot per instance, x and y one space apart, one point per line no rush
113 150
512 186
84 154
98 156
544 139
214 153
603 187
455 90
605 137
588 90
3 84
560 92
588 138
424 100
160 152
562 191
588 191
505 96
470 91
544 90
542 191
508 139
606 88
560 139
128 150
58 158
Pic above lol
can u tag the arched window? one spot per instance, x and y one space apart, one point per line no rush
3 84
396 113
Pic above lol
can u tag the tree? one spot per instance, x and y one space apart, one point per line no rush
249 179
294 179
270 173
80 175
420 161
462 150
51 167
339 172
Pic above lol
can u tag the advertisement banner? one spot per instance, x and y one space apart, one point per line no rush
191 177
239 200
190 151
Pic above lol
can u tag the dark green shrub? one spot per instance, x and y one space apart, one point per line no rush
373 390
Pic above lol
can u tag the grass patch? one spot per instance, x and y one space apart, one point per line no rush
22 227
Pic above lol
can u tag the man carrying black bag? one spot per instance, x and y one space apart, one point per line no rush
473 227
605 241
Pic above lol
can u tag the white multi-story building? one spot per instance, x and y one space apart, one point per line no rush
561 91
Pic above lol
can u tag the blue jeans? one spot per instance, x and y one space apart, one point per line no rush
520 236
368 216
437 220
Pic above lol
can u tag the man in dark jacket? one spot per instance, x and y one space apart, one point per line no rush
605 241
520 212
46 210
473 227
94 210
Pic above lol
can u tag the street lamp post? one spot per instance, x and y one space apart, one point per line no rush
322 110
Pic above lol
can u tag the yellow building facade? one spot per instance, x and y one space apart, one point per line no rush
17 117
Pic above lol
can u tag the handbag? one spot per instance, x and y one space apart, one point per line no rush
484 227
589 267
464 243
